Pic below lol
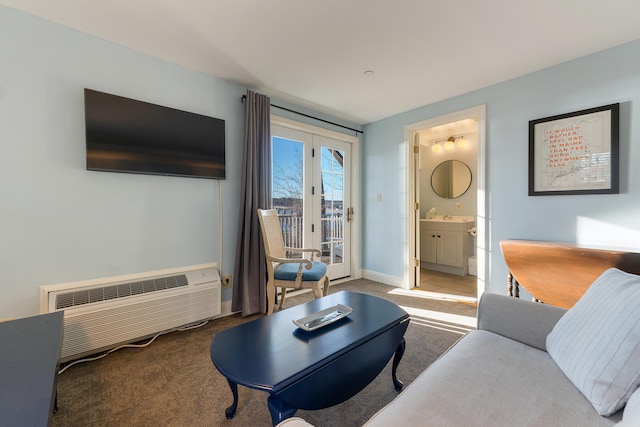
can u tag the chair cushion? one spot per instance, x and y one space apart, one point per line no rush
289 271
597 342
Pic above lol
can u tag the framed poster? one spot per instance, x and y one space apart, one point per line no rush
575 153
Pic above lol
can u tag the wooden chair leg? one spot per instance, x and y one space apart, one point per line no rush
317 293
271 294
283 294
326 285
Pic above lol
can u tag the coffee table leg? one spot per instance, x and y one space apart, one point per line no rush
396 361
231 410
279 410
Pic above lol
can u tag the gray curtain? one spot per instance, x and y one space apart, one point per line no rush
250 271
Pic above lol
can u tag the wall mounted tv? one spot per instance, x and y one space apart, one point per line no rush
125 135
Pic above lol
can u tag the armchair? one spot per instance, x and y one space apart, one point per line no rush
284 272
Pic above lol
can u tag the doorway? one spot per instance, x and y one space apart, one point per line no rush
312 186
468 125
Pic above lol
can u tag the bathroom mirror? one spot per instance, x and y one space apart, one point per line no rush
451 179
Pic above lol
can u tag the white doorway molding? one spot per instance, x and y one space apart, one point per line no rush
477 113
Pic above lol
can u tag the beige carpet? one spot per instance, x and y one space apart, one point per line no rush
173 382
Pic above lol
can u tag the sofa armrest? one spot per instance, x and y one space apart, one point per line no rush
631 417
520 320
294 422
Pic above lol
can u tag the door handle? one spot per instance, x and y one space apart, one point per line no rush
349 213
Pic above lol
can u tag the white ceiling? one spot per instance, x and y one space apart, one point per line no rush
314 53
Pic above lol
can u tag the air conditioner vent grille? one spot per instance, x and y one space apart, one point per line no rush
87 296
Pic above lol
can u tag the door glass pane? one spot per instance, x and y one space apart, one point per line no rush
288 190
332 215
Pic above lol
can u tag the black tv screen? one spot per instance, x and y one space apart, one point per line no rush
125 135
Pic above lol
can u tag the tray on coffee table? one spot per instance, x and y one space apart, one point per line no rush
323 318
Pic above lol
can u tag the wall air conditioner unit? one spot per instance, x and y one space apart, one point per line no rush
100 314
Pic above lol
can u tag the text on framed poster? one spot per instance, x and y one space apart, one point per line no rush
575 153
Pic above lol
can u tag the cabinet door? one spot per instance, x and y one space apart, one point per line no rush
450 248
428 242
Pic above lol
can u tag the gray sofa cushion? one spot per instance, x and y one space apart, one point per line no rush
489 380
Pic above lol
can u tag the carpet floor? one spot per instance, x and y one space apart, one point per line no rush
173 382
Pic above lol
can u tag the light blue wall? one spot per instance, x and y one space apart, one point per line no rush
604 220
60 222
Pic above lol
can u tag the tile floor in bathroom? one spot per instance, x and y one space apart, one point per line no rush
448 284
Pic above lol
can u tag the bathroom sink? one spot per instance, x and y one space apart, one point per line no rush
459 219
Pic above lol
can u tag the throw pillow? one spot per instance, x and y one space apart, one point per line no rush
596 343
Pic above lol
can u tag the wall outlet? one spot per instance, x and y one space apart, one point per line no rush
226 281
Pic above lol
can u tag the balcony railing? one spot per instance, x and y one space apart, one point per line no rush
291 226
331 228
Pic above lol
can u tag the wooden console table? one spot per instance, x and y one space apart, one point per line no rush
29 361
559 273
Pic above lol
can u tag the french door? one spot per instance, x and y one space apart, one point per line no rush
311 191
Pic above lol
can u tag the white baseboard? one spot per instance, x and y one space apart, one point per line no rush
387 279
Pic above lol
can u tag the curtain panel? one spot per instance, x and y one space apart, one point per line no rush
250 271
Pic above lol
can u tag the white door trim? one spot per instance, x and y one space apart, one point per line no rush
479 113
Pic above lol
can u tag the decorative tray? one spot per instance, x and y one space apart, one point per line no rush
323 318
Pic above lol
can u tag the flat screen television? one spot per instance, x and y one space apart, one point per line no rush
125 135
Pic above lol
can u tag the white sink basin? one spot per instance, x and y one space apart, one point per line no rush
455 218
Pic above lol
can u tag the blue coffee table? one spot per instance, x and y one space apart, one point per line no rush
312 370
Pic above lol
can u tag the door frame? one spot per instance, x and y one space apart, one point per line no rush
355 270
411 270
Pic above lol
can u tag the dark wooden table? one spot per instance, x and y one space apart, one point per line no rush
312 370
29 361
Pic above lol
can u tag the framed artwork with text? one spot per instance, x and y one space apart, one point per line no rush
575 153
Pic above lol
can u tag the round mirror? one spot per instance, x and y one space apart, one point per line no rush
451 179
